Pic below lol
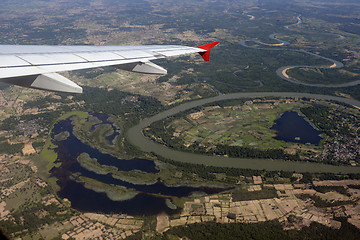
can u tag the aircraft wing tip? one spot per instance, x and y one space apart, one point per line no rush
207 48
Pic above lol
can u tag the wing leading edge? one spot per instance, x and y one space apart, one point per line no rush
37 66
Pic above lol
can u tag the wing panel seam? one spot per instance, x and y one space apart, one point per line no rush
24 60
69 63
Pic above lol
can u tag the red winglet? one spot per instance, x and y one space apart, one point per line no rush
207 47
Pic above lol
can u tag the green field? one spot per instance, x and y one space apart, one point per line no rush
322 76
243 128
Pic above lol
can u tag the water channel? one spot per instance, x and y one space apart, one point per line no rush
155 194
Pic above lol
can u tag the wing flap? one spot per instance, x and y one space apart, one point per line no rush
12 61
143 67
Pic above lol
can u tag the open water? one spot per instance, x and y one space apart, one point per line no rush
150 200
294 128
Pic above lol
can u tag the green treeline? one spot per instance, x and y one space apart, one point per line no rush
256 231
249 152
331 121
44 120
9 123
24 218
320 203
266 230
233 174
318 76
46 102
6 148
93 73
132 107
38 145
325 189
207 172
245 195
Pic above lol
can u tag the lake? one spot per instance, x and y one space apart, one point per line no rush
151 198
291 127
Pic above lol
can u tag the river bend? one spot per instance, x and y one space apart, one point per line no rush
136 137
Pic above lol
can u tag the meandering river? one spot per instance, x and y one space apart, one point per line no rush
282 71
90 200
136 137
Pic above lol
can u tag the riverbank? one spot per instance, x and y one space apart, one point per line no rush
136 137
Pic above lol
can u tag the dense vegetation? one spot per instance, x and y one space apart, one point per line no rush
245 195
321 203
320 76
249 152
45 102
325 189
332 121
233 174
342 129
258 231
129 106
26 217
45 120
6 148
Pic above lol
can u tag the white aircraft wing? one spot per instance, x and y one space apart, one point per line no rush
37 66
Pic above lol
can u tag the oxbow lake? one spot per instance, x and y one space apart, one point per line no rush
292 127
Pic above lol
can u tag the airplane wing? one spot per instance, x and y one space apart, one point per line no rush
37 66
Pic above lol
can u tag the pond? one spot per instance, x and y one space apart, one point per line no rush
291 127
